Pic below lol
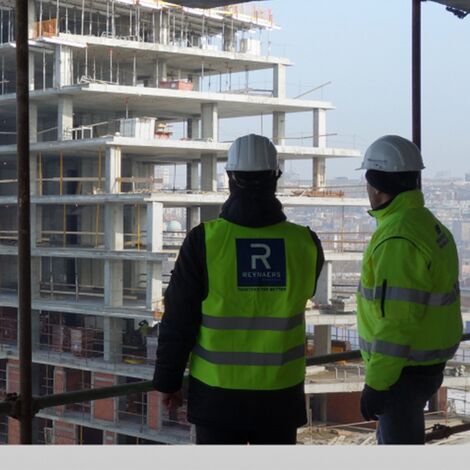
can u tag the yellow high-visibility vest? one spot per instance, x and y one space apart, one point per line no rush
252 335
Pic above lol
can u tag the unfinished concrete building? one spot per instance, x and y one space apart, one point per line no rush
120 91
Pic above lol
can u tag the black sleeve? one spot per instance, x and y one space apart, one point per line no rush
183 313
320 257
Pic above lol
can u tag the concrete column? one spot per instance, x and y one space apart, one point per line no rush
164 30
36 226
324 290
159 72
90 215
322 340
33 123
209 183
279 134
114 227
229 40
154 226
192 175
35 277
112 335
210 132
31 19
64 118
193 128
192 182
319 140
63 66
114 230
322 334
279 128
35 330
209 172
210 122
279 81
31 85
113 283
33 177
196 82
154 285
163 70
113 170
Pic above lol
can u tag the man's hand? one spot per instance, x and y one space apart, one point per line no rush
172 401
372 403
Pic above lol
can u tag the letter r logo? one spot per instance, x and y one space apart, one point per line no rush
262 257
261 262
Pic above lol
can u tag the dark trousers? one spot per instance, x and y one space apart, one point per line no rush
266 436
403 419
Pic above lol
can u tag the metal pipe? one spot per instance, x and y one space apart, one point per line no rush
93 394
24 228
416 71
344 356
442 432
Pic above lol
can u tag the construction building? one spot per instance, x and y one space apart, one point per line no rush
123 94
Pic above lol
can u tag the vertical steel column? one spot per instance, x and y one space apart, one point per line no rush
416 72
24 229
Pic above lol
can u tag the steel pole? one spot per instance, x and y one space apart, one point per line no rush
416 73
24 229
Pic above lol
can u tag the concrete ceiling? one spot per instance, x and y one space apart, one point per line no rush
463 5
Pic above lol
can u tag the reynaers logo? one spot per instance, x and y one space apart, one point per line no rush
261 262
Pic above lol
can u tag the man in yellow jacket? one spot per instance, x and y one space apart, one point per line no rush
235 307
408 301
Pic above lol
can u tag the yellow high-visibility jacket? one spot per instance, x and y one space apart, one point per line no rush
408 301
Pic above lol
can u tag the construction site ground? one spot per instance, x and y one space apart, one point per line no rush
331 434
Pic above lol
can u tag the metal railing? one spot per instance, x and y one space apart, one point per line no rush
14 403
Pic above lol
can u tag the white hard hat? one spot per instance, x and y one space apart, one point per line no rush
392 153
252 153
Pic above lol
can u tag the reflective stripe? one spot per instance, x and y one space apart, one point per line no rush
252 323
411 295
250 358
405 352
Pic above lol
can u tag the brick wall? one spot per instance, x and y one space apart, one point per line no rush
153 410
345 408
13 386
105 409
13 431
13 376
59 386
65 433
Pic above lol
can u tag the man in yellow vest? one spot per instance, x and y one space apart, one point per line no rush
408 301
235 305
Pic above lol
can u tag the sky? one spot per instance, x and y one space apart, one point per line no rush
364 48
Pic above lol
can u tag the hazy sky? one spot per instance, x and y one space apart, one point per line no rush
364 48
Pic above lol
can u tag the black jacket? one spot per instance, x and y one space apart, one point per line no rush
180 325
